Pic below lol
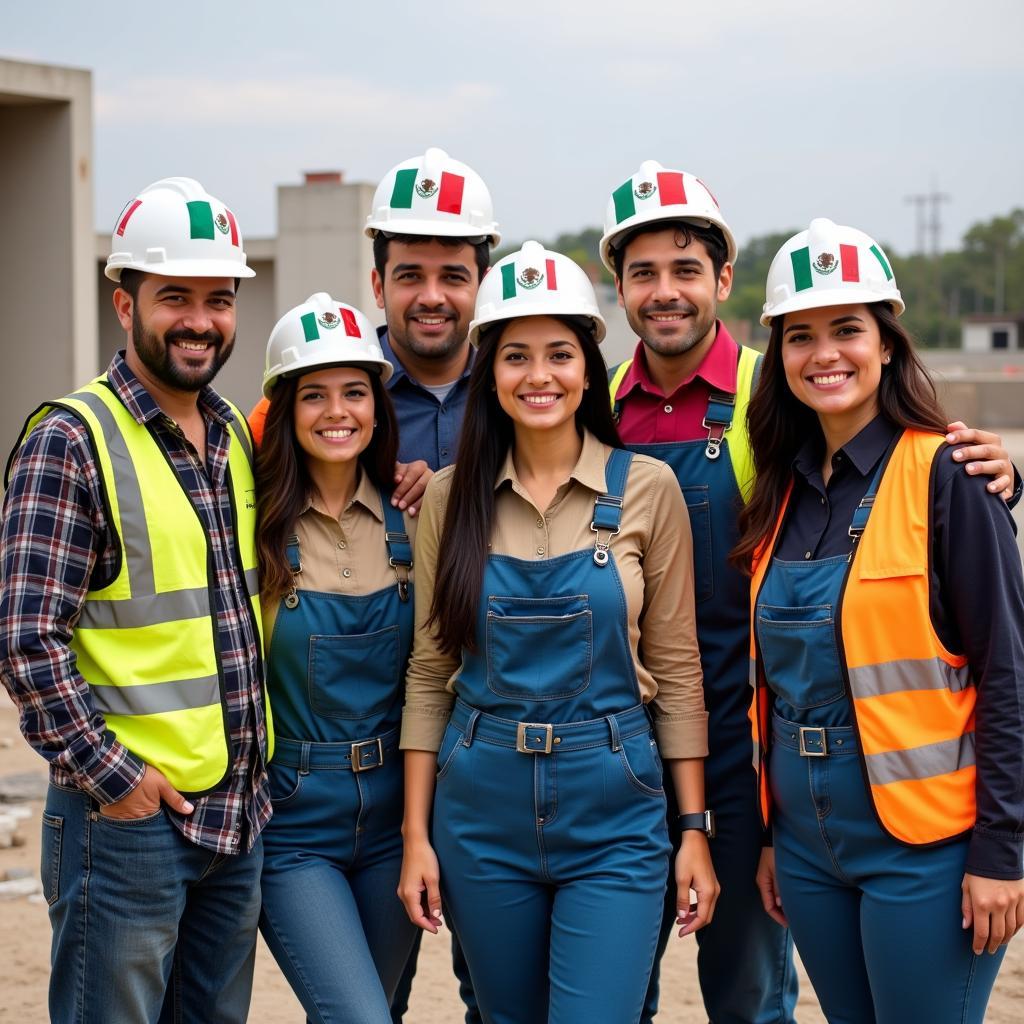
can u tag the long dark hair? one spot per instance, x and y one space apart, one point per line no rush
779 423
487 435
283 483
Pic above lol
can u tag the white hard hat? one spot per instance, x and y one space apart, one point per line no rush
436 196
829 265
322 332
657 193
176 228
534 282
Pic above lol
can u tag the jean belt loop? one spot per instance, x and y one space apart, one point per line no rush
467 738
304 758
613 728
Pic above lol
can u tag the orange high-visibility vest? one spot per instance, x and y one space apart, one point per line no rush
913 700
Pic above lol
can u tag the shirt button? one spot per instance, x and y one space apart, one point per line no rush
807 555
346 573
823 501
540 523
342 545
668 408
444 452
540 551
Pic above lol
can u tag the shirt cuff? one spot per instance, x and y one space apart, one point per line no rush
682 737
107 773
423 729
1018 489
995 855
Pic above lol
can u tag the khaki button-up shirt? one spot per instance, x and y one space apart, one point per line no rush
342 556
653 552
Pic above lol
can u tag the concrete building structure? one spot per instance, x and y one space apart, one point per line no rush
47 286
993 332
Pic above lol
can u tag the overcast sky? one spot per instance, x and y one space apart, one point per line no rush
788 110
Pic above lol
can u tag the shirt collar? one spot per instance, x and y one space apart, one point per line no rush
366 494
588 471
400 371
717 368
143 407
863 450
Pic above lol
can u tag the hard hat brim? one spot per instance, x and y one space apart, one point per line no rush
525 311
848 297
381 367
179 268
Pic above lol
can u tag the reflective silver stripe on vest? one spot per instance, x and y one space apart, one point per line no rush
239 432
910 674
921 762
152 609
156 698
129 498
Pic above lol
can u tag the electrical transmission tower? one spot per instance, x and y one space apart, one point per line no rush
929 223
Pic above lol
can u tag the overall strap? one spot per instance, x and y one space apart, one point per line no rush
717 420
294 556
399 548
862 512
608 506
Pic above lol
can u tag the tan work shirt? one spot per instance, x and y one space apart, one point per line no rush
653 553
342 556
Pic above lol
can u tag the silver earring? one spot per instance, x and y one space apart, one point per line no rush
374 424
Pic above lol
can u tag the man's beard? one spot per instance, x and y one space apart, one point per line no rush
694 335
429 348
155 355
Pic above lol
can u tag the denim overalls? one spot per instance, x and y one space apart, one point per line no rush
877 923
549 813
333 850
744 958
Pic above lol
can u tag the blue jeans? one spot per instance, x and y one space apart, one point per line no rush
331 913
147 926
876 923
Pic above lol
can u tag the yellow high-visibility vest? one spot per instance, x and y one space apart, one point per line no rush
146 643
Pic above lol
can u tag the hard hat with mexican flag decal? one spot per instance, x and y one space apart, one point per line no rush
322 332
535 282
436 196
655 193
174 227
829 265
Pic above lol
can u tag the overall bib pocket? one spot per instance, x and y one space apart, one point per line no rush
354 677
801 659
539 648
698 505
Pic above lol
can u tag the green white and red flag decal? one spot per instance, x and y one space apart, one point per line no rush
448 191
204 225
826 264
668 188
311 323
528 279
126 215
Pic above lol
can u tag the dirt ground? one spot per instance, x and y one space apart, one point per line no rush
25 939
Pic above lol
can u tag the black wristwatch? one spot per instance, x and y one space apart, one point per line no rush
699 821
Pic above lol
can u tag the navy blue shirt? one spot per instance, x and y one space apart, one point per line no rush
427 429
977 608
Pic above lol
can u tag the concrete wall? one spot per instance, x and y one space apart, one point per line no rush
320 245
47 288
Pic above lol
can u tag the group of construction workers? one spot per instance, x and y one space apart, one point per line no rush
455 628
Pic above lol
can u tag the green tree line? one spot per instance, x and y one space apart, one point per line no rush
985 275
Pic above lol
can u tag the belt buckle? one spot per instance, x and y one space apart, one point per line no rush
357 755
531 744
821 738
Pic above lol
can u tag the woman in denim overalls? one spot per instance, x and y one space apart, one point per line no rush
547 807
888 652
336 656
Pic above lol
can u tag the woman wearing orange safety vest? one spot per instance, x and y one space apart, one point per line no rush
887 652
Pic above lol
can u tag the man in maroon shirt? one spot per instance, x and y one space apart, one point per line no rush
682 398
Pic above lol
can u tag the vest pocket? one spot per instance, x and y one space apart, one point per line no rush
698 505
801 660
354 677
53 840
539 648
